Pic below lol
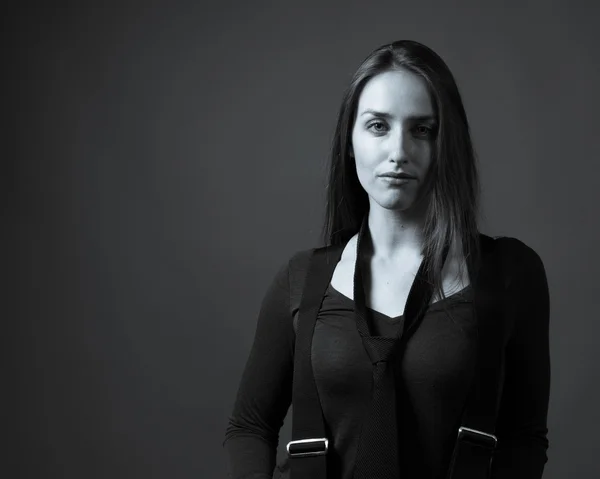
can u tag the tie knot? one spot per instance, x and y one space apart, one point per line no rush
379 348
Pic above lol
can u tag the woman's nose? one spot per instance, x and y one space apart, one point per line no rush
400 145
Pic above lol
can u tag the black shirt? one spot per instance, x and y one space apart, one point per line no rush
433 377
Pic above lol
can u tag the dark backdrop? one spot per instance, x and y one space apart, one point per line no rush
165 159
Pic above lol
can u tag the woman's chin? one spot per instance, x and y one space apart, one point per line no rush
396 204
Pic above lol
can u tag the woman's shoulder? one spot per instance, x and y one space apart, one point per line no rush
299 261
517 248
300 258
520 257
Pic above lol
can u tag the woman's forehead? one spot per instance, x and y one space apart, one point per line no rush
397 93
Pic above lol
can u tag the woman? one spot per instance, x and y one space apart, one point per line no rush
402 202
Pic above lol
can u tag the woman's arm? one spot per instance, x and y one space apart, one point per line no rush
522 420
265 390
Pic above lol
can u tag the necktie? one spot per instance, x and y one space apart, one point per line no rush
377 454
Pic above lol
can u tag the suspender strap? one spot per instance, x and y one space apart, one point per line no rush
309 445
476 442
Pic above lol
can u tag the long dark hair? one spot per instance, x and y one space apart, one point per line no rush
452 183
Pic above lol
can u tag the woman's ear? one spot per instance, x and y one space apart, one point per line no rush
350 151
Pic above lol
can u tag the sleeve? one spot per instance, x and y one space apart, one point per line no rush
265 391
522 418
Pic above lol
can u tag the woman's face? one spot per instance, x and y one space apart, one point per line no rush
394 131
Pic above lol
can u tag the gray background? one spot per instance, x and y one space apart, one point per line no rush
167 159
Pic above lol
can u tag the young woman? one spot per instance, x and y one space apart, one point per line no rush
402 202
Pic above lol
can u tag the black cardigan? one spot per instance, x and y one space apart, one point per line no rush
434 377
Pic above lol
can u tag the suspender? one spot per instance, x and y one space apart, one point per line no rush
475 443
308 448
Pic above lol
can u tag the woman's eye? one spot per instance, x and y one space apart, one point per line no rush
423 130
379 126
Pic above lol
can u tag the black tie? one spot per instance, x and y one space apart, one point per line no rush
377 454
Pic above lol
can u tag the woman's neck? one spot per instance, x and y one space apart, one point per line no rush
395 234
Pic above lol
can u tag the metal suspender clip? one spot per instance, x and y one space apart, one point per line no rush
479 438
308 447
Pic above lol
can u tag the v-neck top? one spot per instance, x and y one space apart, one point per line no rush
436 367
389 326
433 376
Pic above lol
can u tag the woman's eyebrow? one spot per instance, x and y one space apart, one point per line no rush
388 116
